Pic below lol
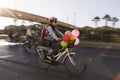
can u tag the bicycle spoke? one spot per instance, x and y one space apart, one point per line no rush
75 65
40 58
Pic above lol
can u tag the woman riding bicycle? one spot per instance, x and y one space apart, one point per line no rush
53 36
29 34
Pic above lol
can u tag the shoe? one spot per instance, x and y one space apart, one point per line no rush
49 57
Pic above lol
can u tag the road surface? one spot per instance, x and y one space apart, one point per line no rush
102 64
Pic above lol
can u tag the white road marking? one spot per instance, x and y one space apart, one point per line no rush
3 43
110 56
6 56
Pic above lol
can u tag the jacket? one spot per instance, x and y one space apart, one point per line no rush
53 34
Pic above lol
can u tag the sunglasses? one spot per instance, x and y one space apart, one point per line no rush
55 21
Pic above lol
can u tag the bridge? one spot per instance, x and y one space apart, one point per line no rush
10 13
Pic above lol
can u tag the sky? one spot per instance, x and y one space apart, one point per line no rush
77 12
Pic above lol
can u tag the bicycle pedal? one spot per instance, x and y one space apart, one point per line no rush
48 57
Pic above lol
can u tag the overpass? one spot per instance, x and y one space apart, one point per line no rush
10 13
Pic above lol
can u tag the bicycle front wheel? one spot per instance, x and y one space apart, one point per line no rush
40 54
76 66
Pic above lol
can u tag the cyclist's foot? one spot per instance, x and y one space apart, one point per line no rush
49 57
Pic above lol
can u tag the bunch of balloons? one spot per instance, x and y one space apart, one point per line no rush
70 38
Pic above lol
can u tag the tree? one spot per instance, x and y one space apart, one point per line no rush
96 19
107 18
114 20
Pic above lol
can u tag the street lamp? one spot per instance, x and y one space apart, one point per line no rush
74 18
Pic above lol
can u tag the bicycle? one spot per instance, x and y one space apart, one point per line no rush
74 63
28 45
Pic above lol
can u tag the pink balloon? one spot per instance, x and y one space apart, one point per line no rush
75 32
77 41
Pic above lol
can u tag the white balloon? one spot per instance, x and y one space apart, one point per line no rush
77 41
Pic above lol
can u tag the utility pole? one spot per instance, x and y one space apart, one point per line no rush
67 19
74 18
15 19
14 4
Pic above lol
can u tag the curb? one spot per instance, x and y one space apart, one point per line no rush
106 45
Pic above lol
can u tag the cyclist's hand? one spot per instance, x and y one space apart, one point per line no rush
59 39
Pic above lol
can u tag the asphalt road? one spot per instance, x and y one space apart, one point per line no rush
102 64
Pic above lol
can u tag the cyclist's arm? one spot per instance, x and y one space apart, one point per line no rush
59 32
51 32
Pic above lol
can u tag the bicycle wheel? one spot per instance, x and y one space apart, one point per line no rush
78 68
40 55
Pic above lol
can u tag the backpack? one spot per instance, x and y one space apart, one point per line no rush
45 42
43 32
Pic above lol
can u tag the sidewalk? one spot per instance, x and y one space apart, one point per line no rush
3 36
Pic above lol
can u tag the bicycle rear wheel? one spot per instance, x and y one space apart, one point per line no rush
40 55
78 68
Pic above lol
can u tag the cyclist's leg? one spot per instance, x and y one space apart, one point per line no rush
29 39
55 46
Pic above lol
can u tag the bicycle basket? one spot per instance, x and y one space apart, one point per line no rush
67 44
71 44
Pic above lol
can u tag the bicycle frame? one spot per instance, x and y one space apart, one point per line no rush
67 53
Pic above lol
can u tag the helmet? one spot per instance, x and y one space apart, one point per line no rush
52 19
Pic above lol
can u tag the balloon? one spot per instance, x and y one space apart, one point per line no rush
66 38
64 44
72 38
75 32
77 41
67 32
71 41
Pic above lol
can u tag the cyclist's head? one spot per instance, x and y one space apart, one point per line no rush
53 21
30 27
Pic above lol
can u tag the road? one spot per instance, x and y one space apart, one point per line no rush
102 64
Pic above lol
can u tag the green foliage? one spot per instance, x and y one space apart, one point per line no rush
100 34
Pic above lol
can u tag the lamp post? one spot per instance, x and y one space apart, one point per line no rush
74 18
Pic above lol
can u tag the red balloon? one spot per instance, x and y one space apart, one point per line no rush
66 38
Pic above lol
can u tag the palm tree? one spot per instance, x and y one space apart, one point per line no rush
107 18
114 20
96 19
